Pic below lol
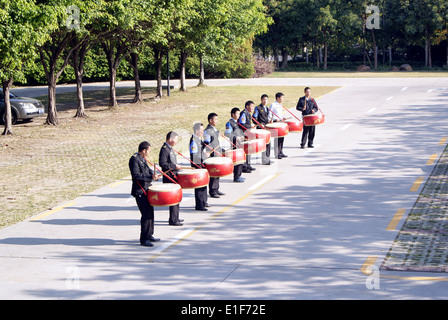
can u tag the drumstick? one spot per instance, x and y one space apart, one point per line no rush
186 157
293 115
153 164
213 150
227 139
261 125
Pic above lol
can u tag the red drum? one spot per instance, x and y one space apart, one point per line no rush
254 146
238 156
219 166
314 119
295 126
259 134
193 178
278 129
165 195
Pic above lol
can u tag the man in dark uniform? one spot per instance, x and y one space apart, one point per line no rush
245 123
307 105
168 163
197 156
142 177
211 140
261 115
236 136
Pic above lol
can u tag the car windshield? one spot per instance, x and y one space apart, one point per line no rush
2 97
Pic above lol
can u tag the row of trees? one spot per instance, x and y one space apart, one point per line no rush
57 33
339 27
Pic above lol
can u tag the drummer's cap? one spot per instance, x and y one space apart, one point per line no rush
143 146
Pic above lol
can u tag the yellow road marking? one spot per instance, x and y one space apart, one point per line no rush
432 159
113 185
443 140
46 214
370 261
153 257
396 219
417 184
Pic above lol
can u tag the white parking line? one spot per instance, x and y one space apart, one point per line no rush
346 126
390 98
404 89
371 110
163 246
262 181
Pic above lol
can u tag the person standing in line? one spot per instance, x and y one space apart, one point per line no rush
198 154
307 105
245 123
236 136
276 115
142 177
168 163
261 115
211 140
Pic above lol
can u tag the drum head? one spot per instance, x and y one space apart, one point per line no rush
218 160
166 187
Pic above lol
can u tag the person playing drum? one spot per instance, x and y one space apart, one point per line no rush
275 115
307 105
236 136
142 177
198 154
261 116
168 163
245 123
211 140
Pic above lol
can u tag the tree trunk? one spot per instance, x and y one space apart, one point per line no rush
429 52
375 51
138 88
284 59
52 115
201 71
158 58
8 114
325 55
183 62
78 66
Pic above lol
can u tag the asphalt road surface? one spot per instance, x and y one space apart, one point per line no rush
315 225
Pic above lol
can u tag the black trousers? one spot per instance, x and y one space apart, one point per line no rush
147 218
278 145
213 186
308 133
237 171
266 154
200 196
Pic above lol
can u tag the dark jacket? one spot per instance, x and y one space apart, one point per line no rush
168 161
211 140
141 173
197 147
245 120
310 105
261 114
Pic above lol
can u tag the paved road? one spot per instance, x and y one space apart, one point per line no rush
310 226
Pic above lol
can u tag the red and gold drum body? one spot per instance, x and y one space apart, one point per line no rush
259 134
238 156
193 178
219 166
278 129
314 119
165 195
295 126
254 146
